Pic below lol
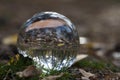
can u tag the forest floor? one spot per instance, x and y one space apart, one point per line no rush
14 66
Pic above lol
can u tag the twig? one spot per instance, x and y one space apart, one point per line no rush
5 78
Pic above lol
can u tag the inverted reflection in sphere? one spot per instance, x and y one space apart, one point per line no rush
50 39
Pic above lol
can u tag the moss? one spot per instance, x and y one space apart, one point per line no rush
22 63
91 64
96 65
9 70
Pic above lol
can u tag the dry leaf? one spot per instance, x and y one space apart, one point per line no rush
10 39
86 74
53 77
61 44
30 71
80 57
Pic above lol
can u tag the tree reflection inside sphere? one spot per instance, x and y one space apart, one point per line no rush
50 40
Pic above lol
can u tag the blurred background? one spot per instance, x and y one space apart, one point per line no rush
96 20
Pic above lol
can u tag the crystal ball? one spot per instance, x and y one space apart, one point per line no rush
50 40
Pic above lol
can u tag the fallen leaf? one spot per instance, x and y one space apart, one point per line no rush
86 74
61 44
30 71
10 39
80 57
52 77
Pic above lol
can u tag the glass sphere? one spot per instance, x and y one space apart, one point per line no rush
50 40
